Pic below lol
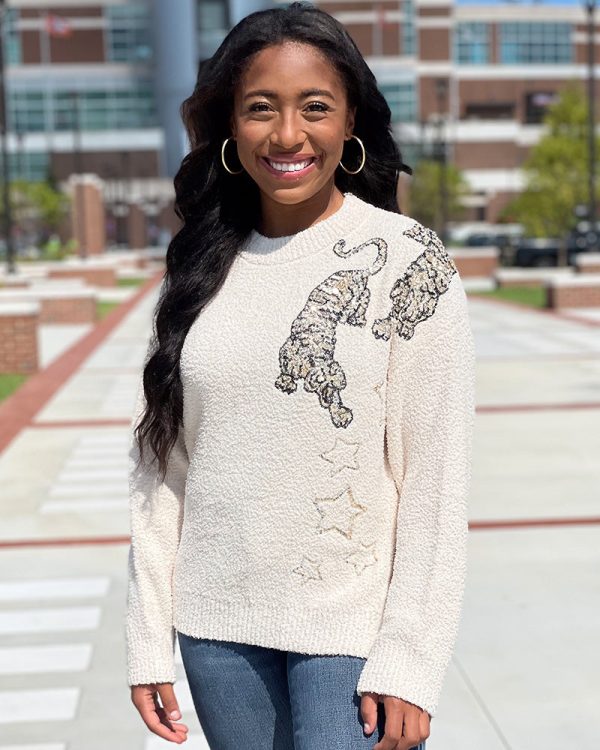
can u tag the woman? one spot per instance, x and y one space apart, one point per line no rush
308 398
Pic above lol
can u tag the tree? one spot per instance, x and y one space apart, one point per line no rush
425 196
556 169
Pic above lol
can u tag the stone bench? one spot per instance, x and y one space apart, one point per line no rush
578 290
57 304
587 262
480 262
18 337
529 276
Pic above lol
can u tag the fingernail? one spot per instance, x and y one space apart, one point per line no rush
367 728
175 714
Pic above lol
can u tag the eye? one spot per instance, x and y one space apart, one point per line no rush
259 107
321 107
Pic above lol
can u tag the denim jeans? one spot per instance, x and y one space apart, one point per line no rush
255 698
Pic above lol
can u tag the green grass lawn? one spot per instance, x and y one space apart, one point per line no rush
9 382
103 308
535 296
130 281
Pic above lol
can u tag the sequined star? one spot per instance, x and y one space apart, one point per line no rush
309 570
338 512
341 456
362 557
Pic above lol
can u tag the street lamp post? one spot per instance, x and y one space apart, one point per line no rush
6 214
441 87
590 6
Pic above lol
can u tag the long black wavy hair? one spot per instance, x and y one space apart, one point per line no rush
219 210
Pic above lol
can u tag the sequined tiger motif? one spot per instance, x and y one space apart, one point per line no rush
416 293
309 352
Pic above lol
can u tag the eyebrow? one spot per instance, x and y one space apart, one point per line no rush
303 94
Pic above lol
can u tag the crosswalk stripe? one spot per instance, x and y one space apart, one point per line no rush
87 489
193 742
71 657
45 746
100 505
53 588
49 620
54 704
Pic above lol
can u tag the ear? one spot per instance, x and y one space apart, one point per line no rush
350 118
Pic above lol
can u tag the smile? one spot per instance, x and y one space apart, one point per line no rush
287 169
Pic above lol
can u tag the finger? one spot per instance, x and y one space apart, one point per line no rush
410 732
149 712
368 711
169 701
394 720
424 725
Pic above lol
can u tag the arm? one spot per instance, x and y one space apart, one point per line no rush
156 515
430 407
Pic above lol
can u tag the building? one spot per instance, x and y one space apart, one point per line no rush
95 86
489 68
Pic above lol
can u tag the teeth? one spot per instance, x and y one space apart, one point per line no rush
289 166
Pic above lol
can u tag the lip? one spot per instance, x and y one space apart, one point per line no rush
290 160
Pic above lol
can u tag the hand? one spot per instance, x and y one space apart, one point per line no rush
159 719
406 725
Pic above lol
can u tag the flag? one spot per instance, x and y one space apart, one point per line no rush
57 26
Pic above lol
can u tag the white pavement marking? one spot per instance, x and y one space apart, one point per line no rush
57 704
89 475
194 742
49 620
85 489
101 505
72 657
103 440
51 746
93 462
53 588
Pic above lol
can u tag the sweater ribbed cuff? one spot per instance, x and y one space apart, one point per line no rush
395 669
149 663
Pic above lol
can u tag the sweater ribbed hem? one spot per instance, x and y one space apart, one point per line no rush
349 217
299 630
396 669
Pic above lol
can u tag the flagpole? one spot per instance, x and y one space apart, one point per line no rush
45 59
6 214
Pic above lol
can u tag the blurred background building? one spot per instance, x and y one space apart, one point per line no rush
96 87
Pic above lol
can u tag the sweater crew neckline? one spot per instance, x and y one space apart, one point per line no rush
263 250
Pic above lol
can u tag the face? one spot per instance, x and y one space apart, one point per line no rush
290 120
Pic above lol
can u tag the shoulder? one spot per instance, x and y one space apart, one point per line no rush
410 244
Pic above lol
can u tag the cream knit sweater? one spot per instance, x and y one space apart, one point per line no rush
316 499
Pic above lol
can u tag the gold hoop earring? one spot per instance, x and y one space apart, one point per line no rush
362 161
239 171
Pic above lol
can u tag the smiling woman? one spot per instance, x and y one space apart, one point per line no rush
306 545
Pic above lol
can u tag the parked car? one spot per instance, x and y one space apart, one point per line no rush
540 252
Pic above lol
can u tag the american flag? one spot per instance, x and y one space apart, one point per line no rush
57 26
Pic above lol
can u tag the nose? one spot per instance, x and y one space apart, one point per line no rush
288 131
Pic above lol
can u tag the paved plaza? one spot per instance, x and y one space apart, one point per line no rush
524 675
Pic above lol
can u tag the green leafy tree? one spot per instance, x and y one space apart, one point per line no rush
426 194
556 169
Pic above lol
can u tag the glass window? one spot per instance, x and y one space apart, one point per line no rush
471 43
409 38
212 17
534 42
401 99
128 33
12 37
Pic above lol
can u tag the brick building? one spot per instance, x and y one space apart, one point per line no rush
490 68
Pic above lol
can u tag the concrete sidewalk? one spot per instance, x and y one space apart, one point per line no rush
524 675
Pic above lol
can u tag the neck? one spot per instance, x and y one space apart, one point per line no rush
280 219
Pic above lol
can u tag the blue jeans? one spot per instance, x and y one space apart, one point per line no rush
259 698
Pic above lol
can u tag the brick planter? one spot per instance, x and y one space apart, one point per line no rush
479 262
56 305
588 262
529 276
18 337
580 290
94 276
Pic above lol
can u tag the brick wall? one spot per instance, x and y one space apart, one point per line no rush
18 338
92 276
